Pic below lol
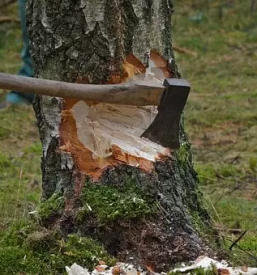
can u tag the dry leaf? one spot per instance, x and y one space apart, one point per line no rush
223 271
116 270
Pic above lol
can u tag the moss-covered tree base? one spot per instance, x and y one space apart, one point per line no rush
129 212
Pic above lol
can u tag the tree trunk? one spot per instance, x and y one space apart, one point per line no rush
100 179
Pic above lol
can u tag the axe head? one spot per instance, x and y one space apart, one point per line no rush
164 130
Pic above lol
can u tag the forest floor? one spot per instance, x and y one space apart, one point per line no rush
221 119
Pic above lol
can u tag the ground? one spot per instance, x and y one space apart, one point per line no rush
20 150
221 119
221 112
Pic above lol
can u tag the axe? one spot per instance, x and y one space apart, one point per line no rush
170 98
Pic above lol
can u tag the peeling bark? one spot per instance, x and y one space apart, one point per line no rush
109 42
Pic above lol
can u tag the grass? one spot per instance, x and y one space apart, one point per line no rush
20 150
27 248
221 118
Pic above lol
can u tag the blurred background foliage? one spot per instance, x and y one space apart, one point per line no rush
219 39
20 148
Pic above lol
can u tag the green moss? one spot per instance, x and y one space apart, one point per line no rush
183 153
198 271
204 226
27 248
41 241
85 251
198 222
15 235
51 207
16 260
109 203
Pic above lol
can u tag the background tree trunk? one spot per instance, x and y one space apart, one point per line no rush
143 211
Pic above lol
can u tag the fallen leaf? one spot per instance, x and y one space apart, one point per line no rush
223 271
116 270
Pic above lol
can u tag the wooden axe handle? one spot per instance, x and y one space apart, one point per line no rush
138 94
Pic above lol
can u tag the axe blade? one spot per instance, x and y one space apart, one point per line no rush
164 130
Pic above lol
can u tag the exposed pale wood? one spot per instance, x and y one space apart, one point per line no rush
106 135
102 126
141 93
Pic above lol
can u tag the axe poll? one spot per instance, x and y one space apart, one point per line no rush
170 98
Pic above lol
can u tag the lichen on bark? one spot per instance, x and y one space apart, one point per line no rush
88 42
